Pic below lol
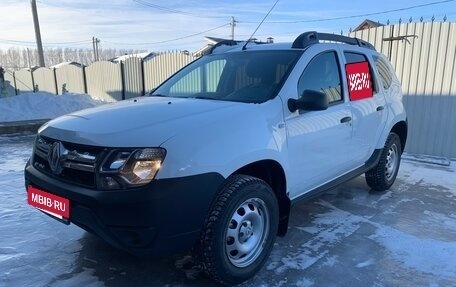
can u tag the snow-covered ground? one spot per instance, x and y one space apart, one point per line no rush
42 105
349 236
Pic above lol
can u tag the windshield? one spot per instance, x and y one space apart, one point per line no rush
249 77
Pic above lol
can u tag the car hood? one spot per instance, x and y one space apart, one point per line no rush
140 122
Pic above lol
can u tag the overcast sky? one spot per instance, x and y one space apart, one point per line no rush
155 25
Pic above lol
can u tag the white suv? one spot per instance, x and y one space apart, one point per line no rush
213 158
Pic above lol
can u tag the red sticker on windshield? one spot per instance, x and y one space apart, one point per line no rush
359 81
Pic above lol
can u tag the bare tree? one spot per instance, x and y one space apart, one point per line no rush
16 58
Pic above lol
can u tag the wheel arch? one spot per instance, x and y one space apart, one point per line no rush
401 129
273 174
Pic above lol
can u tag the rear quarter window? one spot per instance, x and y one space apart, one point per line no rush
384 69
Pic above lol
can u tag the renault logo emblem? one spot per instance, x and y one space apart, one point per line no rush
54 157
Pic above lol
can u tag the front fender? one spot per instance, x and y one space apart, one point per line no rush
228 142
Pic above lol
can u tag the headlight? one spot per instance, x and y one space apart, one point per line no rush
124 168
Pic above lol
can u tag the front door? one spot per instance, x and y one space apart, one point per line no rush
318 141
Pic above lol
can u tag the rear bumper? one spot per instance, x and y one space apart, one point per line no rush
164 217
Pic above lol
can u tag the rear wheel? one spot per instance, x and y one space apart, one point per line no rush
240 230
383 175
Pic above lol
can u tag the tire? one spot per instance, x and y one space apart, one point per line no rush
240 230
382 176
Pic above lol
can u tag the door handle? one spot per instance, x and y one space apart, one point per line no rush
345 120
380 108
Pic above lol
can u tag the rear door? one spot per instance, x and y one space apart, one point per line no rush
367 102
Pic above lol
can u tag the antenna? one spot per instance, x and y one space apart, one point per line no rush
259 25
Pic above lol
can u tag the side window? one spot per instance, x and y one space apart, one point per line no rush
322 74
384 71
351 57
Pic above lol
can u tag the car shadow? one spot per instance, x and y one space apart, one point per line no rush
113 267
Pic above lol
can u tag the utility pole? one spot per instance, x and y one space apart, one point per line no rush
96 46
28 57
37 33
95 42
94 53
232 24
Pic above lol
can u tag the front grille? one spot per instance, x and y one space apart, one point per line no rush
76 163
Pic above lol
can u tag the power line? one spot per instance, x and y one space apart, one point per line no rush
49 43
171 10
170 40
30 43
352 16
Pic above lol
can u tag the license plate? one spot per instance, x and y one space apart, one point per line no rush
52 204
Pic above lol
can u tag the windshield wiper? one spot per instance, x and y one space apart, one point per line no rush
205 98
158 95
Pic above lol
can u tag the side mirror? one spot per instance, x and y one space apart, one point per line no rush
310 100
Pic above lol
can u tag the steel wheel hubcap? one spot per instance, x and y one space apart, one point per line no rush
247 232
391 162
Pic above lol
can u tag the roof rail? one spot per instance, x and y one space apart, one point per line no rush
310 38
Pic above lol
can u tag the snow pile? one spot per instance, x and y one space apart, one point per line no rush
42 105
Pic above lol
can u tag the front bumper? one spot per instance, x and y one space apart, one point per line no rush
163 217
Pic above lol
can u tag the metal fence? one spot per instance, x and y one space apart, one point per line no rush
103 80
161 67
23 80
133 78
423 55
10 89
71 77
44 80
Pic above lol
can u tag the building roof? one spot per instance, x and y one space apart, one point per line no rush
144 56
65 63
367 24
212 42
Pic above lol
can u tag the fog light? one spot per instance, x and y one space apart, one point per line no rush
109 182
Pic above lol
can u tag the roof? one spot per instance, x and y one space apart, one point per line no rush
367 24
303 41
252 46
144 56
208 47
214 42
64 64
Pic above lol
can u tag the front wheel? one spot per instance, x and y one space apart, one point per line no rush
382 176
240 230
